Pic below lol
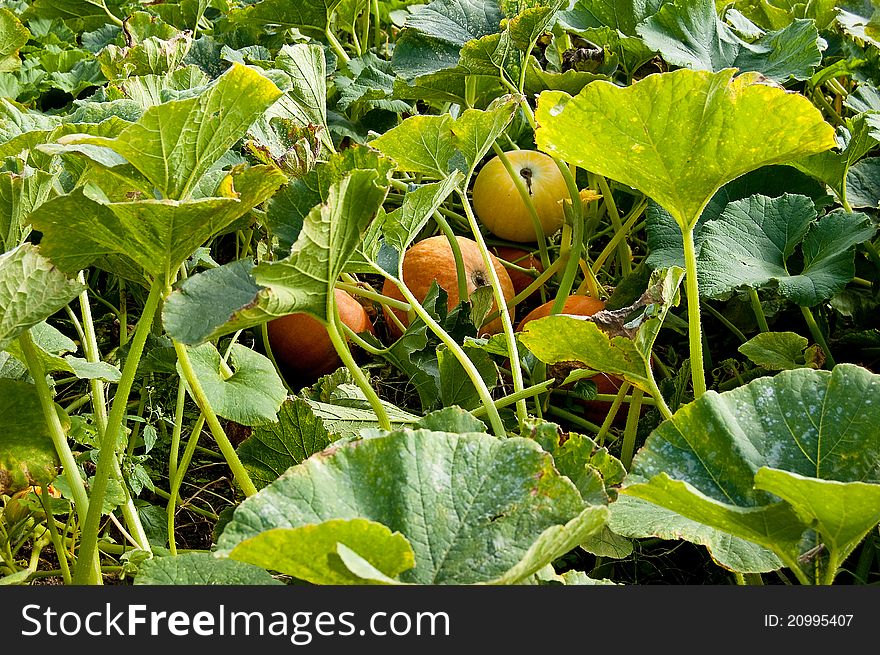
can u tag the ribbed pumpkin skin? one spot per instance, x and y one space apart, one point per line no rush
500 207
301 345
432 259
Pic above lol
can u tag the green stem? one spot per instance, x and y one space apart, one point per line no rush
198 393
99 407
575 244
510 399
627 449
177 480
723 320
618 238
698 373
57 542
459 353
351 335
345 355
612 413
336 46
91 566
460 274
192 508
574 419
500 302
623 251
758 310
178 428
356 290
818 336
115 425
529 290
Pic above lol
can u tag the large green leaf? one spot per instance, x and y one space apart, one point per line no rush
312 553
473 507
664 235
13 35
157 234
621 15
751 243
306 101
309 14
855 139
31 290
19 196
252 395
637 519
200 569
272 449
175 143
689 33
303 281
679 136
609 341
27 454
433 37
776 14
439 145
806 437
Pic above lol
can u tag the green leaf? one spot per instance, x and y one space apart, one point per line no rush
723 127
13 35
314 14
287 211
808 437
203 305
751 242
456 388
272 449
664 235
613 342
621 15
31 290
201 569
27 454
159 235
451 419
592 468
863 183
438 145
175 143
689 33
303 281
637 519
309 552
433 37
19 196
305 101
777 351
473 507
854 140
152 56
251 396
776 14
346 420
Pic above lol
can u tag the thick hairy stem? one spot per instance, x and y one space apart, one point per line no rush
91 566
345 355
500 302
115 424
226 447
459 353
698 373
